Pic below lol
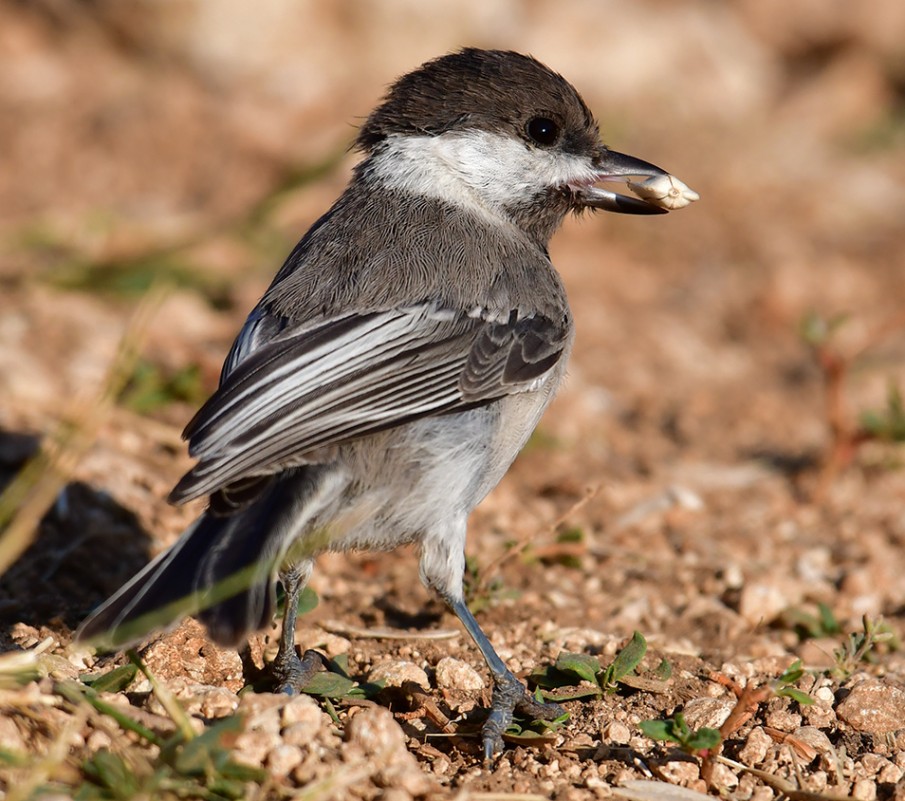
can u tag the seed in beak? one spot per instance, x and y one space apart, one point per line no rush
665 191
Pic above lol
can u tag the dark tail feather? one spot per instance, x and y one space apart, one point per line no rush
220 569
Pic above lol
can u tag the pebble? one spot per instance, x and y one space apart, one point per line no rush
873 706
302 709
97 740
253 745
456 674
680 771
375 731
394 673
756 747
709 712
616 733
783 720
263 710
331 644
218 702
724 777
282 759
824 695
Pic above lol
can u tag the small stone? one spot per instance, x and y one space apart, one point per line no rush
218 702
302 709
724 778
783 720
262 710
395 673
709 712
756 747
282 759
97 740
864 790
815 738
300 734
873 706
253 746
617 733
455 674
824 695
819 715
375 731
331 644
680 771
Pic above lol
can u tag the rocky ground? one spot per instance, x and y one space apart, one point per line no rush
716 475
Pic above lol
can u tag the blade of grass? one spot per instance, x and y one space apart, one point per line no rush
166 698
78 693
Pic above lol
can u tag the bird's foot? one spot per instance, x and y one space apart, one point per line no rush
292 674
511 696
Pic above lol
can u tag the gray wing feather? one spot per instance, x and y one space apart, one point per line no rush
353 376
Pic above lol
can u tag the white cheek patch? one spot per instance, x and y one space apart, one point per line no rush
477 169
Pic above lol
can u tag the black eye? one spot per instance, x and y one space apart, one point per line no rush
543 130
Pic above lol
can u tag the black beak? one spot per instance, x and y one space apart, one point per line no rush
613 166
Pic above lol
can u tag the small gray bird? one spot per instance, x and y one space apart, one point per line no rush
398 362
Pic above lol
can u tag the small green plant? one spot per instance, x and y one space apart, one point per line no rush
569 669
887 424
534 732
861 646
185 765
783 685
697 742
572 542
198 768
848 432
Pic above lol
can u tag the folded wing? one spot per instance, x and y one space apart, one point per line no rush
357 375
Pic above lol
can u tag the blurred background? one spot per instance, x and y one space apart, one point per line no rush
196 140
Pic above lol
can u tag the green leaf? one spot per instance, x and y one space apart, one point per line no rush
340 664
792 673
704 739
113 681
206 752
828 623
110 772
658 729
584 666
571 695
329 685
664 670
308 600
629 657
571 535
796 695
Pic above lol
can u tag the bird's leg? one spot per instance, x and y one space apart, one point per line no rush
509 694
290 672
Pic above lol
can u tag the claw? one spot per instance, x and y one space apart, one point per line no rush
293 674
509 696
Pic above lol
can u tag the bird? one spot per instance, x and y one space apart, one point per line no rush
397 363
